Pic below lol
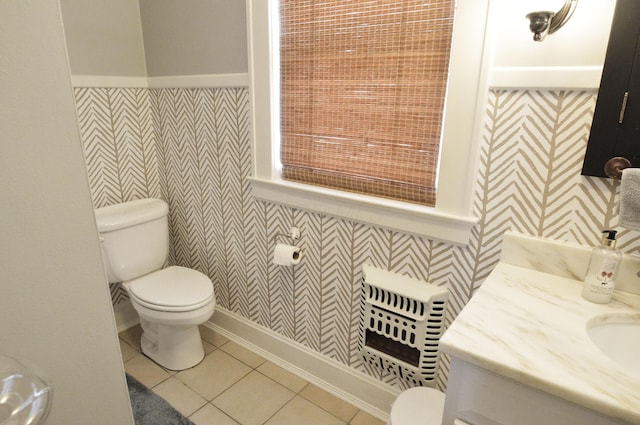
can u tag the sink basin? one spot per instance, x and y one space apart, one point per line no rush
619 340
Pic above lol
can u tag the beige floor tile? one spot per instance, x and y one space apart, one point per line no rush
145 371
132 336
127 351
300 411
253 399
217 372
225 376
282 376
245 356
208 348
362 418
329 402
181 397
211 415
212 336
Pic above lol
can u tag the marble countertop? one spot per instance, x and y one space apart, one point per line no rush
531 326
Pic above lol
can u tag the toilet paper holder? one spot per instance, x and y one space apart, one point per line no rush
294 233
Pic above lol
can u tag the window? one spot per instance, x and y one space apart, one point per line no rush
450 219
362 88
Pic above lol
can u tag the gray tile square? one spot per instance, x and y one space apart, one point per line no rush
217 372
254 399
299 411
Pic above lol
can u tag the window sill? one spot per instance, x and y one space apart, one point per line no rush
395 215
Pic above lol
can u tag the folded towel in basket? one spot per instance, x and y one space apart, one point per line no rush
630 199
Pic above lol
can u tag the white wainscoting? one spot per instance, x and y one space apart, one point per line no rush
179 81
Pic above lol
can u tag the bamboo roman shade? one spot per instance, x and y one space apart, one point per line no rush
362 90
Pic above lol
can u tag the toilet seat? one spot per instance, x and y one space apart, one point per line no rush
417 405
172 289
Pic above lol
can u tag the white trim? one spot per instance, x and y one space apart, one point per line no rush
451 220
200 81
467 93
357 388
410 218
179 81
107 81
549 77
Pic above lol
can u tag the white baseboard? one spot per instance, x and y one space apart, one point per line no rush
353 386
126 316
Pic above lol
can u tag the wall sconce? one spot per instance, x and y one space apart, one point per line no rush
546 22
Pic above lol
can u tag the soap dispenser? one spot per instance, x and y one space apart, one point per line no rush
599 281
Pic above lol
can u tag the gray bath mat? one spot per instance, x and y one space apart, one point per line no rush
150 409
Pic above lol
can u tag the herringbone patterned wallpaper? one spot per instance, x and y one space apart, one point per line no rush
192 147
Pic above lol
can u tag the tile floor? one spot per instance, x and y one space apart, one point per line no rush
233 385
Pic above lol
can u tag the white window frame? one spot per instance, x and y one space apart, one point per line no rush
451 219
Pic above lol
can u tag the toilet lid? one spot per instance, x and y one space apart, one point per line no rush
173 288
418 405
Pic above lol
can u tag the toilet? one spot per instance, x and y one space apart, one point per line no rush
171 302
417 406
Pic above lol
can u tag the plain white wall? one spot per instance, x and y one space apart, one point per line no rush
192 37
104 37
54 299
128 38
582 41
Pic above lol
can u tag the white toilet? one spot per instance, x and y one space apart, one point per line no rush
171 302
417 406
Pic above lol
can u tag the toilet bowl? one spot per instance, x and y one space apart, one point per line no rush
171 302
419 405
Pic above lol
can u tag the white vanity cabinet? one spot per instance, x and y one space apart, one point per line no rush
476 396
520 349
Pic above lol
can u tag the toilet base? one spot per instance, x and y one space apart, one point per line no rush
172 347
419 405
172 338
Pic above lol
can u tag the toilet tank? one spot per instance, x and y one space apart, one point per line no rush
134 237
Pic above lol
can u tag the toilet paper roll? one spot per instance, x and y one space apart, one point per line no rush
286 255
